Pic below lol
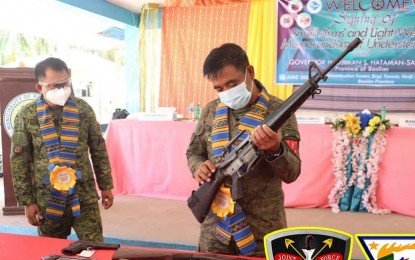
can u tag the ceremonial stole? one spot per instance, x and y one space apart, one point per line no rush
231 220
61 153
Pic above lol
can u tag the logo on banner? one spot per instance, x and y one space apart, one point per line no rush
308 243
387 247
314 6
303 20
295 6
286 20
13 107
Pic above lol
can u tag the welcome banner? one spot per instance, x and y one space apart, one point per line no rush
319 30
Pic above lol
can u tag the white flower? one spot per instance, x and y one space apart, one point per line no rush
364 169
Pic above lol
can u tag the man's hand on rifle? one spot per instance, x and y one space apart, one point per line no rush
266 139
205 171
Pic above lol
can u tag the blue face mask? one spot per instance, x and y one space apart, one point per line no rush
237 97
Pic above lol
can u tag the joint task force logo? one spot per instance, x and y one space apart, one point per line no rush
387 246
13 107
308 243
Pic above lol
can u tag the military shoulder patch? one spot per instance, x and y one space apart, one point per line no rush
308 243
293 144
17 149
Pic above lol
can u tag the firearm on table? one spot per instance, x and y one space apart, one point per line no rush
239 161
78 246
64 257
137 253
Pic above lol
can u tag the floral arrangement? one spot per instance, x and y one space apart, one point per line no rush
358 144
354 126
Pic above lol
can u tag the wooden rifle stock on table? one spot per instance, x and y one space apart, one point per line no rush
78 246
239 161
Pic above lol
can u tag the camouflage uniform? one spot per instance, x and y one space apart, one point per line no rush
29 170
263 197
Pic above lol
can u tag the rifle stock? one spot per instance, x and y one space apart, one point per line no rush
78 246
200 200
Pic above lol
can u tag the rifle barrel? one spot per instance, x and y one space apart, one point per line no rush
348 49
279 116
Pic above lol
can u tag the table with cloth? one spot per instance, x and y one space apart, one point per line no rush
33 247
148 158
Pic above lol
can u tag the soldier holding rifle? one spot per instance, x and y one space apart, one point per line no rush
238 227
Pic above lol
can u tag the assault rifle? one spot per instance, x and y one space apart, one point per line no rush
78 246
64 257
240 160
125 253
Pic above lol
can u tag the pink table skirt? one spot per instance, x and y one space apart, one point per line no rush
149 159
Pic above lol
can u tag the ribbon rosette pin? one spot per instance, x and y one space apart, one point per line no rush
223 203
63 178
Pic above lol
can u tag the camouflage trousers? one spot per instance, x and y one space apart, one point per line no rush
88 226
208 243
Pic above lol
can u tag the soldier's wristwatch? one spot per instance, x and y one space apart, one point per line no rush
275 155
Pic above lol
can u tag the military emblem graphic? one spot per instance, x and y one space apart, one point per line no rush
308 243
387 246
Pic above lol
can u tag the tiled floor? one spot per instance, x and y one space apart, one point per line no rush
169 223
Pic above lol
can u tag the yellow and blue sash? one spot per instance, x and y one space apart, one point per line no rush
235 224
61 152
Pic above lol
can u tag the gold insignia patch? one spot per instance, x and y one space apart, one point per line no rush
17 149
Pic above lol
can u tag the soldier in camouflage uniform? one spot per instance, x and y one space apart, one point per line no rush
29 160
227 67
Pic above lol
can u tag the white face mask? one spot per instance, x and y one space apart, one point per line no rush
58 96
237 97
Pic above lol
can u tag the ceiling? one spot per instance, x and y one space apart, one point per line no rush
59 22
134 5
72 21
